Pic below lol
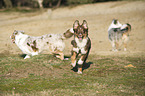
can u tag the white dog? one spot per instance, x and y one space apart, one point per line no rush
31 45
118 34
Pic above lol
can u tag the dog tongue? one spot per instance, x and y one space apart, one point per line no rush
80 38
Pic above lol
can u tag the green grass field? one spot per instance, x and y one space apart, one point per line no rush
45 75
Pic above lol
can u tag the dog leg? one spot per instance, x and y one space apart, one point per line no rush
60 54
125 43
116 46
125 46
73 58
34 53
80 65
82 60
125 39
80 69
113 46
27 56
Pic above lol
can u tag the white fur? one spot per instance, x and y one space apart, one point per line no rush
123 26
55 42
83 51
125 49
27 56
81 44
118 25
20 42
79 72
80 62
73 64
71 30
76 50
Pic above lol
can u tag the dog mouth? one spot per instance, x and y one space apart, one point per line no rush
13 41
80 37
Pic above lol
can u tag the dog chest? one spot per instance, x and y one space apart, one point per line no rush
81 44
80 48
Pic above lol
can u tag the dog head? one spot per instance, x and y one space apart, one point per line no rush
125 27
15 33
116 22
80 31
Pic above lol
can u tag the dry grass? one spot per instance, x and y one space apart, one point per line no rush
101 76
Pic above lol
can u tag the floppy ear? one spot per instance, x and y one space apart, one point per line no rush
84 24
76 24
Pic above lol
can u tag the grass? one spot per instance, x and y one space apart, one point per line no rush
45 75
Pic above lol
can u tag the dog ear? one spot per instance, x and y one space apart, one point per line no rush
22 32
84 24
76 24
114 21
15 32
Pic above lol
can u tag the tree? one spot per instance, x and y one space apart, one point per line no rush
58 3
8 4
40 2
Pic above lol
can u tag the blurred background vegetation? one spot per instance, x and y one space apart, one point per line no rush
8 4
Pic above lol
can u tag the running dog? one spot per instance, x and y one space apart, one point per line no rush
31 45
118 34
81 44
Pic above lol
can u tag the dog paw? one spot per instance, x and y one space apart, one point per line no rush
79 72
73 64
66 58
115 50
125 49
27 56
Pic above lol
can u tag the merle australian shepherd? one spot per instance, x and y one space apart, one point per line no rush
118 34
32 45
81 44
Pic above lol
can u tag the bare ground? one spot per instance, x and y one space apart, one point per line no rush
99 16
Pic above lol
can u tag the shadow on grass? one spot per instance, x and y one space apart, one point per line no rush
23 55
85 66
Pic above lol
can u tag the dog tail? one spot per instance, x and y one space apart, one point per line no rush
68 34
126 28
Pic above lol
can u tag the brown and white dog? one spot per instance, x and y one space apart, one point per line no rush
125 29
118 34
81 44
31 45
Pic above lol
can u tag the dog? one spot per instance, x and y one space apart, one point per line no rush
118 34
81 44
31 45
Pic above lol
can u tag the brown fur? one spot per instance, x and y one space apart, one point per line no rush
81 44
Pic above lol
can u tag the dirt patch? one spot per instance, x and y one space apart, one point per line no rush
99 16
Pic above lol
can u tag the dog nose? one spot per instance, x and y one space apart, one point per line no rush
80 34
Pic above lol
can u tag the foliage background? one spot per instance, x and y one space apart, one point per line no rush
46 3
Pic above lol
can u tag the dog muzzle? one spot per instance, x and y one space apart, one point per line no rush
13 40
80 37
